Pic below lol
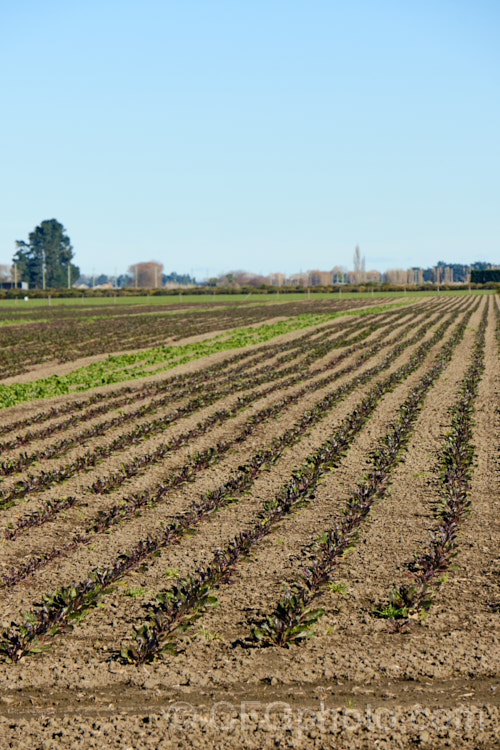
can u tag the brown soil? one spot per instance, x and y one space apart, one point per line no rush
353 684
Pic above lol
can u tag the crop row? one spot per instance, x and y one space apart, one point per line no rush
85 409
137 365
138 464
118 513
131 393
293 616
178 386
455 461
71 602
141 432
177 607
318 411
240 360
127 394
67 339
174 392
71 338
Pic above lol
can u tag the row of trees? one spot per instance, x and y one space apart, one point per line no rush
45 261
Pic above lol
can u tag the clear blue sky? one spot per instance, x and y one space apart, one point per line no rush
264 134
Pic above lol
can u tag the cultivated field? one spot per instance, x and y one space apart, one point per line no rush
252 526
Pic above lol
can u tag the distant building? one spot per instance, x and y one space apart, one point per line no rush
319 278
338 275
418 275
362 277
440 273
275 279
398 276
298 279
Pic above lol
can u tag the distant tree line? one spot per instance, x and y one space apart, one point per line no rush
146 278
485 276
45 261
460 271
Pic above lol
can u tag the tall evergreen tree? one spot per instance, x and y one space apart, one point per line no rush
47 244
